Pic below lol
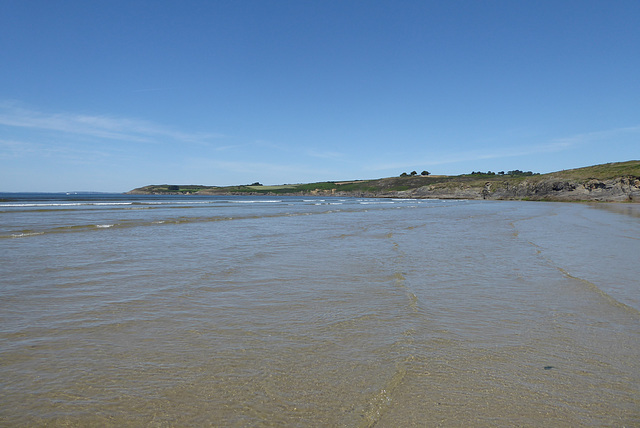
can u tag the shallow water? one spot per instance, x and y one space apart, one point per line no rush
282 311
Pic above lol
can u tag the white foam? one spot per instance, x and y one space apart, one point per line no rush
376 202
109 203
256 202
66 204
22 235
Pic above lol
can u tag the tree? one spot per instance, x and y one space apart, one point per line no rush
413 173
404 174
425 173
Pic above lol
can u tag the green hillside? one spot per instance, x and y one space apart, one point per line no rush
392 185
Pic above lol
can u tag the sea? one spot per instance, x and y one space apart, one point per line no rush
287 311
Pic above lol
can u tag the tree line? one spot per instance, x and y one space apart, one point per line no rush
514 173
414 173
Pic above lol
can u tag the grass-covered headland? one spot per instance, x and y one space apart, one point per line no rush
618 181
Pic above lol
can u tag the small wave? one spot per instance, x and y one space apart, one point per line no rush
383 399
108 203
594 288
257 202
173 202
104 226
65 204
25 234
375 202
40 205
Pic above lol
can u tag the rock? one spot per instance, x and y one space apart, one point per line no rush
621 189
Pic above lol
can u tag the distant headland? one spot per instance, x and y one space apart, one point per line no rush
610 182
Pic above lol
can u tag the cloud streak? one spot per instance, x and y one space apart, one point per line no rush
113 128
14 149
325 155
555 145
589 137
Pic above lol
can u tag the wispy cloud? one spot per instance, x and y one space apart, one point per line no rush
114 128
271 146
14 149
589 137
237 171
247 167
553 146
471 155
151 90
326 155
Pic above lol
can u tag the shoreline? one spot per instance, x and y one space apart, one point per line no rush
620 199
613 182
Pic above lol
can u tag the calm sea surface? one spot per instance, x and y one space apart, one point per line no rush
121 310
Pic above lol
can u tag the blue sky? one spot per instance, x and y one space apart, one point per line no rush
112 95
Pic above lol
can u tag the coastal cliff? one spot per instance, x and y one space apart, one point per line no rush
620 189
611 182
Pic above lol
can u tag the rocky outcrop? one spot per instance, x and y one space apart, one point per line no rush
621 189
460 191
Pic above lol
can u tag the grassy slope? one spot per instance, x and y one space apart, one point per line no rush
604 171
599 172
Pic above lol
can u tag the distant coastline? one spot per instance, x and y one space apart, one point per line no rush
610 182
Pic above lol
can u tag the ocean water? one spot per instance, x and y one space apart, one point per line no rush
120 310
